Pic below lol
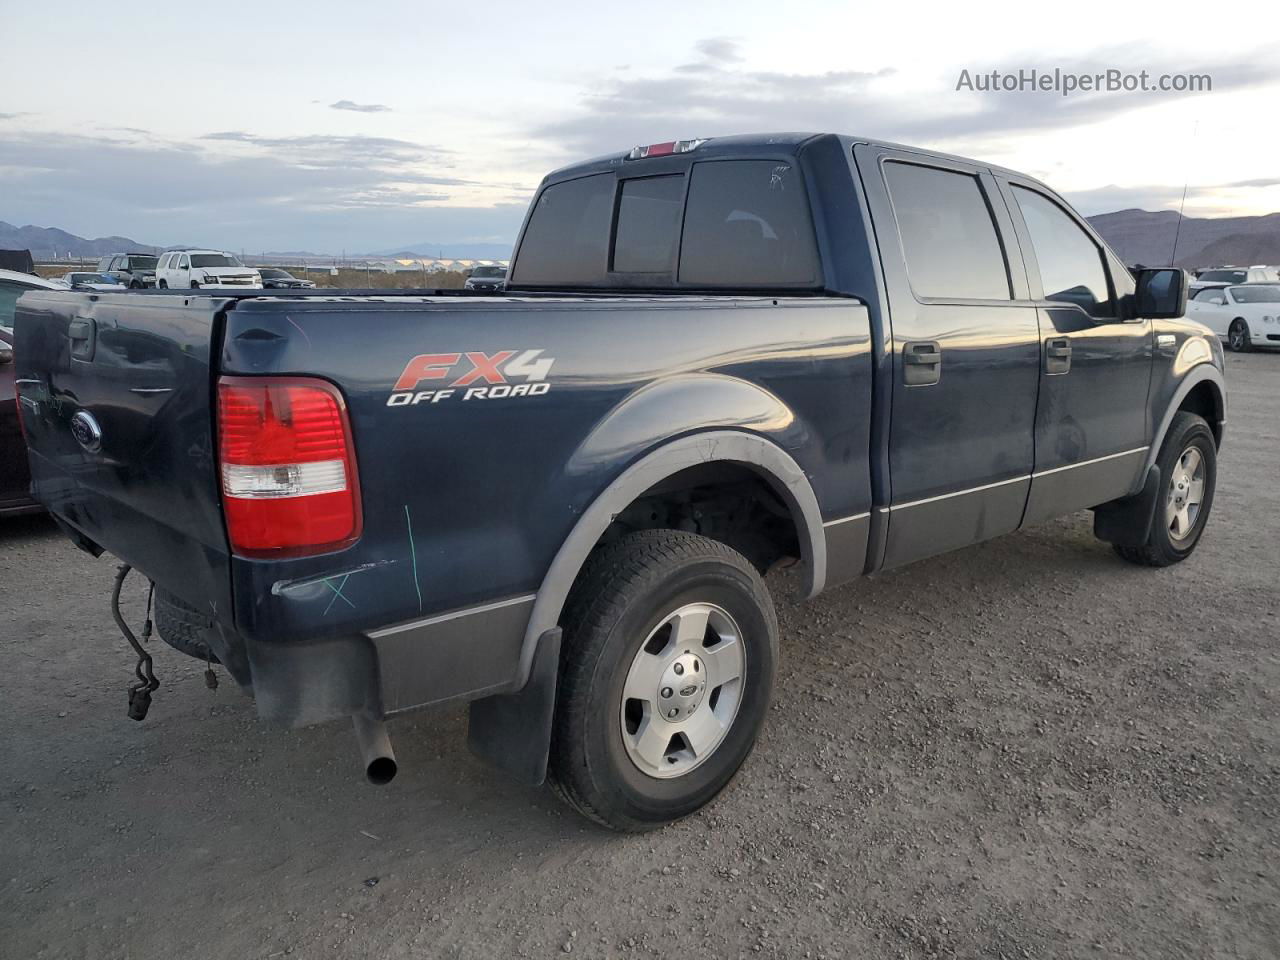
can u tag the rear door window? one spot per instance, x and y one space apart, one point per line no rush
567 239
648 225
949 238
747 224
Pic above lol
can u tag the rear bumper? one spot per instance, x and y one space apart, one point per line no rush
456 656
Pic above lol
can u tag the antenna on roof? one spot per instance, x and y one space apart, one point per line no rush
1173 258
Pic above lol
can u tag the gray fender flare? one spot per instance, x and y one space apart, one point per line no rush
1193 378
768 459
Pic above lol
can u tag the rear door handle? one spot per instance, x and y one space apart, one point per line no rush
921 363
1057 355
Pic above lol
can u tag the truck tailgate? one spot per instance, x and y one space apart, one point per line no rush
114 392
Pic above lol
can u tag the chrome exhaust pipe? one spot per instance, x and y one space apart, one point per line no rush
375 749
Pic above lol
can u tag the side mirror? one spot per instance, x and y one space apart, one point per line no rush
6 353
1161 294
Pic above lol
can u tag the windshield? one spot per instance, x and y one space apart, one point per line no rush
1257 293
92 278
489 272
142 263
269 274
214 260
1223 276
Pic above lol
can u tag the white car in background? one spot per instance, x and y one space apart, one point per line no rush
205 270
102 282
1246 315
1225 276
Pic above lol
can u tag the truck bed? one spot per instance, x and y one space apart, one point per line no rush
467 490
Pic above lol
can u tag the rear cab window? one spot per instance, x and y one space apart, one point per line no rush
719 224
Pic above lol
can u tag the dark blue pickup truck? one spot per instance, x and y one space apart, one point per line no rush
559 503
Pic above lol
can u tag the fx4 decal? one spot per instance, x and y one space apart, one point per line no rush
481 376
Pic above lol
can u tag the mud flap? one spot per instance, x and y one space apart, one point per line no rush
512 731
1127 522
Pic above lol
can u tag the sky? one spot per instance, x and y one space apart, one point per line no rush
327 126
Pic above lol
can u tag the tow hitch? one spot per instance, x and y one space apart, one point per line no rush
139 692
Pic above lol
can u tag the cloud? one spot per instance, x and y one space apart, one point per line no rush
360 107
1249 184
234 189
1202 199
708 96
724 49
714 94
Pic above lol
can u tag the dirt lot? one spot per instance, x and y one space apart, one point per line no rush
1027 749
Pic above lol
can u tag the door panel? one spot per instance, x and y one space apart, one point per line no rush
1091 416
965 368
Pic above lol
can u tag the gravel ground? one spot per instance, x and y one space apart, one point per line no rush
1025 749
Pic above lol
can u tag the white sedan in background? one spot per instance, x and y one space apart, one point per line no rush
1246 315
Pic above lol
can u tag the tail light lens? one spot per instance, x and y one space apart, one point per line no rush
289 484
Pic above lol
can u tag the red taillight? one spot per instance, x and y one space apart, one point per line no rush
288 468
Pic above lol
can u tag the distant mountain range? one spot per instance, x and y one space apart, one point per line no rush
45 243
1138 236
447 251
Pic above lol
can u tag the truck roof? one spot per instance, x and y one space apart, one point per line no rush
755 144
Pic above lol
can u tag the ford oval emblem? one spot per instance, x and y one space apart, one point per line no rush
84 427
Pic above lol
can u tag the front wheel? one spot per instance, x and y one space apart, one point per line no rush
670 652
1188 463
163 285
1238 337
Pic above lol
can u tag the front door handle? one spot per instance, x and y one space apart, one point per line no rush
1057 355
921 363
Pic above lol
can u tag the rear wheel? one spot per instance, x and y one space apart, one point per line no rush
1238 337
665 679
1188 463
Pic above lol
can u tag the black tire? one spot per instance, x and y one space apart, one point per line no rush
183 627
195 285
624 592
135 285
1238 336
1162 549
163 285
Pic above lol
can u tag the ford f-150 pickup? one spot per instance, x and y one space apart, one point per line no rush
712 357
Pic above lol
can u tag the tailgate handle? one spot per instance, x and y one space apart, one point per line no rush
83 333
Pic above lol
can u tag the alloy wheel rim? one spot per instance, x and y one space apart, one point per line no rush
1237 336
683 690
1186 494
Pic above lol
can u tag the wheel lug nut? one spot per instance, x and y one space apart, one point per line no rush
679 668
666 693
